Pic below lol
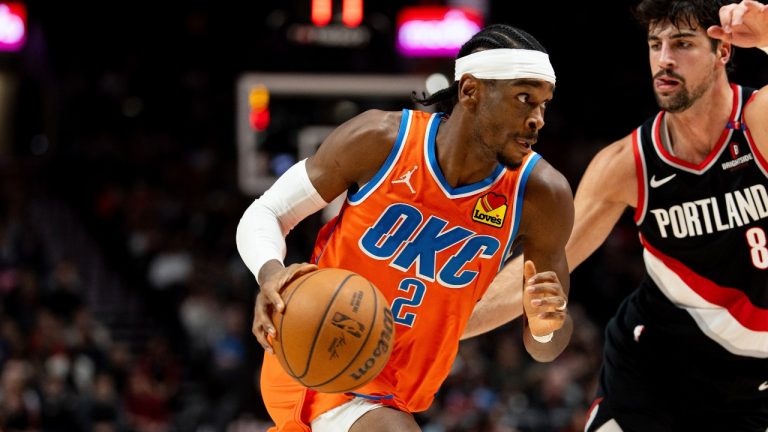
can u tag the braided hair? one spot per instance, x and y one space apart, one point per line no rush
492 37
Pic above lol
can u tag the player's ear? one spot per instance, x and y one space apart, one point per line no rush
469 91
724 50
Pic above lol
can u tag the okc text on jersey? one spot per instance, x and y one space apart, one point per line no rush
400 236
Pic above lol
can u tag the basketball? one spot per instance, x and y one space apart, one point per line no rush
336 331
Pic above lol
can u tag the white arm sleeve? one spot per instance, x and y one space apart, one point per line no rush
264 225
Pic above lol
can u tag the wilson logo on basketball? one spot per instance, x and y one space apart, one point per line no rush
490 209
382 347
348 324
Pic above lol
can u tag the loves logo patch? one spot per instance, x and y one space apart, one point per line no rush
490 209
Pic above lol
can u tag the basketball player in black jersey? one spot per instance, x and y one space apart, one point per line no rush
687 350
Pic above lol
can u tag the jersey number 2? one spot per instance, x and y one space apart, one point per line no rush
415 289
757 243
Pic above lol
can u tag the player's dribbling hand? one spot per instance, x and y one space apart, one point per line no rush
268 300
744 24
544 300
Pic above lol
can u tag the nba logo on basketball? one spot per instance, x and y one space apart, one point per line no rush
490 209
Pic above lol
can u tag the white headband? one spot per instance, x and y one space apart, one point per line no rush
505 63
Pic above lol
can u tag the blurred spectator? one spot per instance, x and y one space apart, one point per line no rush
152 387
146 403
119 365
88 337
101 409
229 374
64 294
58 403
19 403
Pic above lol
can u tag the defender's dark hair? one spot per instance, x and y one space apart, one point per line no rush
491 37
691 13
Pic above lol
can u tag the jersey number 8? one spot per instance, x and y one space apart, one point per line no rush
757 242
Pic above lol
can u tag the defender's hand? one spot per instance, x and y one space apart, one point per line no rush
268 300
744 24
544 301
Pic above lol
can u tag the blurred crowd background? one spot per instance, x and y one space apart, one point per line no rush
125 306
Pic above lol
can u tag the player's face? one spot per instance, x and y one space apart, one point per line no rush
682 63
513 117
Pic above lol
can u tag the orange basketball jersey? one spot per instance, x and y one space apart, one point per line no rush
430 248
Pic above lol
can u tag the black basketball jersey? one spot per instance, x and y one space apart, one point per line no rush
704 230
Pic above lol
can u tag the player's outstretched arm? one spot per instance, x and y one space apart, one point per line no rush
350 155
608 186
745 25
546 224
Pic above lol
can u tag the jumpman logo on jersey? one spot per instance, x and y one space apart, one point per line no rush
406 178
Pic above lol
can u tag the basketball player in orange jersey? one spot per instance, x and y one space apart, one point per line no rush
687 350
436 203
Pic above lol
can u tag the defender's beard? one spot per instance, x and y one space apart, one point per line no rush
683 99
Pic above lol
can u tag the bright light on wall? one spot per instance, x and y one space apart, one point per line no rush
352 12
13 26
322 10
435 31
436 82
